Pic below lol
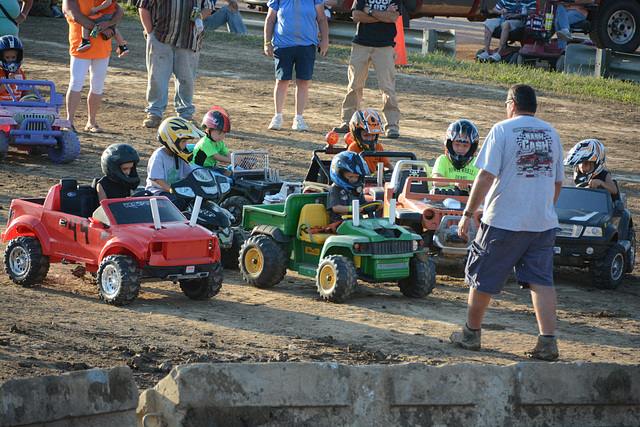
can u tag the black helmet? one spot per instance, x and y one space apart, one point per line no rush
113 157
368 120
11 42
461 131
350 162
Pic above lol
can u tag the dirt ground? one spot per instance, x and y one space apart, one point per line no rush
62 326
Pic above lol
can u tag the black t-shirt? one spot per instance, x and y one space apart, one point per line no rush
113 190
602 176
338 196
376 34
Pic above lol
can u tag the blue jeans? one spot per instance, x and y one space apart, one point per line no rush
564 19
224 16
163 60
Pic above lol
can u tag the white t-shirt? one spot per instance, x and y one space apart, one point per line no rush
163 166
525 155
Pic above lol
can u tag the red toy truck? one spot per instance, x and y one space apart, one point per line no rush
120 240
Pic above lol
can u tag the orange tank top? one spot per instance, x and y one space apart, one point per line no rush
100 48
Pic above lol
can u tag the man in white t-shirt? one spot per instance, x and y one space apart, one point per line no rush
521 173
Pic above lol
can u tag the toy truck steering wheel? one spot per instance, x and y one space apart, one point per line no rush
367 209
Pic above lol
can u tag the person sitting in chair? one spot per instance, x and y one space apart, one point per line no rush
512 17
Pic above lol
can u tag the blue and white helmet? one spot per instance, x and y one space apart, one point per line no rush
350 162
11 42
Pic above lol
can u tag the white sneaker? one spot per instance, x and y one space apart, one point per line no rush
276 122
483 56
299 124
496 57
565 35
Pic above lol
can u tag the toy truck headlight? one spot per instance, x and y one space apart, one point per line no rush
592 232
185 192
417 244
361 248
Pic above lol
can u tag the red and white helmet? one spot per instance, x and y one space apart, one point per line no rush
588 150
217 118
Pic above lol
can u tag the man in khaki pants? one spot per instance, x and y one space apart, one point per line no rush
373 43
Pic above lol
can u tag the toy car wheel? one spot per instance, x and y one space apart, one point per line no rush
631 253
24 262
421 280
234 205
336 278
229 257
118 280
607 272
4 144
67 149
206 287
263 262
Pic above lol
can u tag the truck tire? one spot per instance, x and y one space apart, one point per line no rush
118 280
262 261
206 287
24 262
67 150
234 205
4 145
230 257
631 254
616 25
336 278
421 280
607 273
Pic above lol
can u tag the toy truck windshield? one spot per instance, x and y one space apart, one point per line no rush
138 211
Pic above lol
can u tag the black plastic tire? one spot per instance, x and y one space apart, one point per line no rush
234 205
118 280
263 261
4 145
230 257
421 280
67 150
607 273
24 262
336 278
206 287
616 25
631 254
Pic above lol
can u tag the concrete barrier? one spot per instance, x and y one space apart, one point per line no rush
325 394
96 397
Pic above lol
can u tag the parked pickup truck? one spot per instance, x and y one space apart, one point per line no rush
120 240
614 25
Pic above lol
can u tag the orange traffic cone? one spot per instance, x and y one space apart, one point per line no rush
401 52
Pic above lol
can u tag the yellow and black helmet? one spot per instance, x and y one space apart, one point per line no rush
175 129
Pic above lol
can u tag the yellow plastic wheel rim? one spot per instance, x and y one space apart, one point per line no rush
327 278
253 261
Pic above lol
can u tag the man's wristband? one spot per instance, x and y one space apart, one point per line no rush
467 214
268 43
350 209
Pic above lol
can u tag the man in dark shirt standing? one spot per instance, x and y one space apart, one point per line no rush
373 43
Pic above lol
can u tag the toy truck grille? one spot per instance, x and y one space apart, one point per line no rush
389 247
37 124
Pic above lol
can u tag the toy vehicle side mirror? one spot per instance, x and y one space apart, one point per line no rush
618 206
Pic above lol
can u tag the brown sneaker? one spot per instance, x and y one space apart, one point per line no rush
343 128
152 121
471 340
546 349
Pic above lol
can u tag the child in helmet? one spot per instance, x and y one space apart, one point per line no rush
120 178
211 149
460 147
102 11
171 162
588 160
11 53
365 127
347 172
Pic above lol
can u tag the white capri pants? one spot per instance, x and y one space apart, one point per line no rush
79 69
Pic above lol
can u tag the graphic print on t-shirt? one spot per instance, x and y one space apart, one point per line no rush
534 158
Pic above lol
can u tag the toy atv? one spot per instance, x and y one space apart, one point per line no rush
122 241
596 233
33 123
283 236
253 180
431 207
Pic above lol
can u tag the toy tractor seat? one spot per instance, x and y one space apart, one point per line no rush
77 200
313 215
